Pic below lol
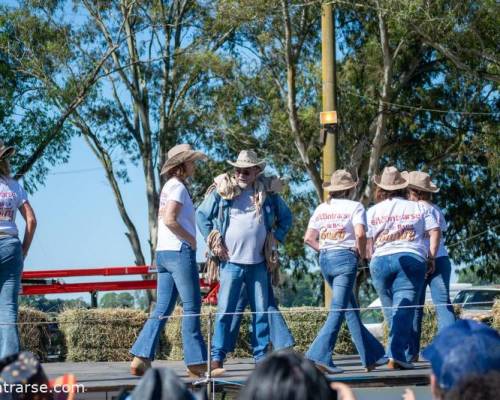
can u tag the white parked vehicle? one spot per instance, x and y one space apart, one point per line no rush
373 317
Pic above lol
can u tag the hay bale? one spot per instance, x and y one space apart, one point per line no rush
34 332
496 315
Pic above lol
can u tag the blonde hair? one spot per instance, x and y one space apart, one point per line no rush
5 168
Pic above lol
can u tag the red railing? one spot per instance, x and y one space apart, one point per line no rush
44 282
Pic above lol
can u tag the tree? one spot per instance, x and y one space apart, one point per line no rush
117 300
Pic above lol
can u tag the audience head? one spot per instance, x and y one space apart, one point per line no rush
161 384
461 350
286 375
476 387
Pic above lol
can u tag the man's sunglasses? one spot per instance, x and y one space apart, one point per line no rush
243 171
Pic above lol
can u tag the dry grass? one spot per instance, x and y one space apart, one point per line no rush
34 337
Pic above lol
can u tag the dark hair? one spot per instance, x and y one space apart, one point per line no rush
420 194
475 387
179 171
4 168
287 375
382 194
341 194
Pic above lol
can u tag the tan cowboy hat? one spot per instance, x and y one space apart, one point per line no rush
391 179
248 159
419 180
6 151
340 180
180 154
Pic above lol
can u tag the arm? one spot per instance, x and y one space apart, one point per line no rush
169 217
369 248
359 232
206 213
311 239
283 218
30 218
434 238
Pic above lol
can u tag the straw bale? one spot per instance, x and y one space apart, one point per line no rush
34 337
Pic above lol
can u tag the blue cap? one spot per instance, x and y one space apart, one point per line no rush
462 349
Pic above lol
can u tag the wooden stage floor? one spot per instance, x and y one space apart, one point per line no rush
111 377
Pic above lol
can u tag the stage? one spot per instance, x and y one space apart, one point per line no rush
103 380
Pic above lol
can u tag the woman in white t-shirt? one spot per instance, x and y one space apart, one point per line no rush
397 229
12 251
177 268
337 231
420 189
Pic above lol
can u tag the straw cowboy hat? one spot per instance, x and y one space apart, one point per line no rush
6 151
179 154
248 159
391 179
340 180
421 181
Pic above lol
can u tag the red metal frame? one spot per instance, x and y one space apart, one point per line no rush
61 287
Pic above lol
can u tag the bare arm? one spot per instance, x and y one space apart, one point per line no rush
311 239
369 248
359 232
30 218
434 238
169 217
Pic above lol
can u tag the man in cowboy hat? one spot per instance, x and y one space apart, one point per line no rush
244 211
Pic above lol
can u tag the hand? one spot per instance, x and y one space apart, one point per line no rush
222 252
192 243
431 266
408 395
344 392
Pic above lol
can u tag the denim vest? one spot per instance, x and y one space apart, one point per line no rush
213 213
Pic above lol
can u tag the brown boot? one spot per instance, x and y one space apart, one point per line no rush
216 368
139 366
197 370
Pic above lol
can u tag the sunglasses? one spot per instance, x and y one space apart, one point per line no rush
245 171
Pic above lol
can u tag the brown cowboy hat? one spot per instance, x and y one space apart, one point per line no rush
391 179
179 154
6 151
340 180
421 181
248 159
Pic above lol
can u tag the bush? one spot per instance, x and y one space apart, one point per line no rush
34 332
496 315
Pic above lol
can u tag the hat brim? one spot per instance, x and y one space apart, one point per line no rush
332 188
376 180
7 152
432 189
260 164
190 155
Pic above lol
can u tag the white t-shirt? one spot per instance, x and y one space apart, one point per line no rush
439 216
335 221
175 190
12 196
398 225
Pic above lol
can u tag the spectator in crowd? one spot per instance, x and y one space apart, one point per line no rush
465 362
286 375
13 252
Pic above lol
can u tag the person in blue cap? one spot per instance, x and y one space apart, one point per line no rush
459 352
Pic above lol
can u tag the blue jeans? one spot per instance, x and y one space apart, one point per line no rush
398 279
11 268
439 282
280 335
177 274
339 269
232 278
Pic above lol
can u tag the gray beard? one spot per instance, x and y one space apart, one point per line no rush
242 185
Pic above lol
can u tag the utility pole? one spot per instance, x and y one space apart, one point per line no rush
328 117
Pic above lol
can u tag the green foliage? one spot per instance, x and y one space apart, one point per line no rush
41 303
117 300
